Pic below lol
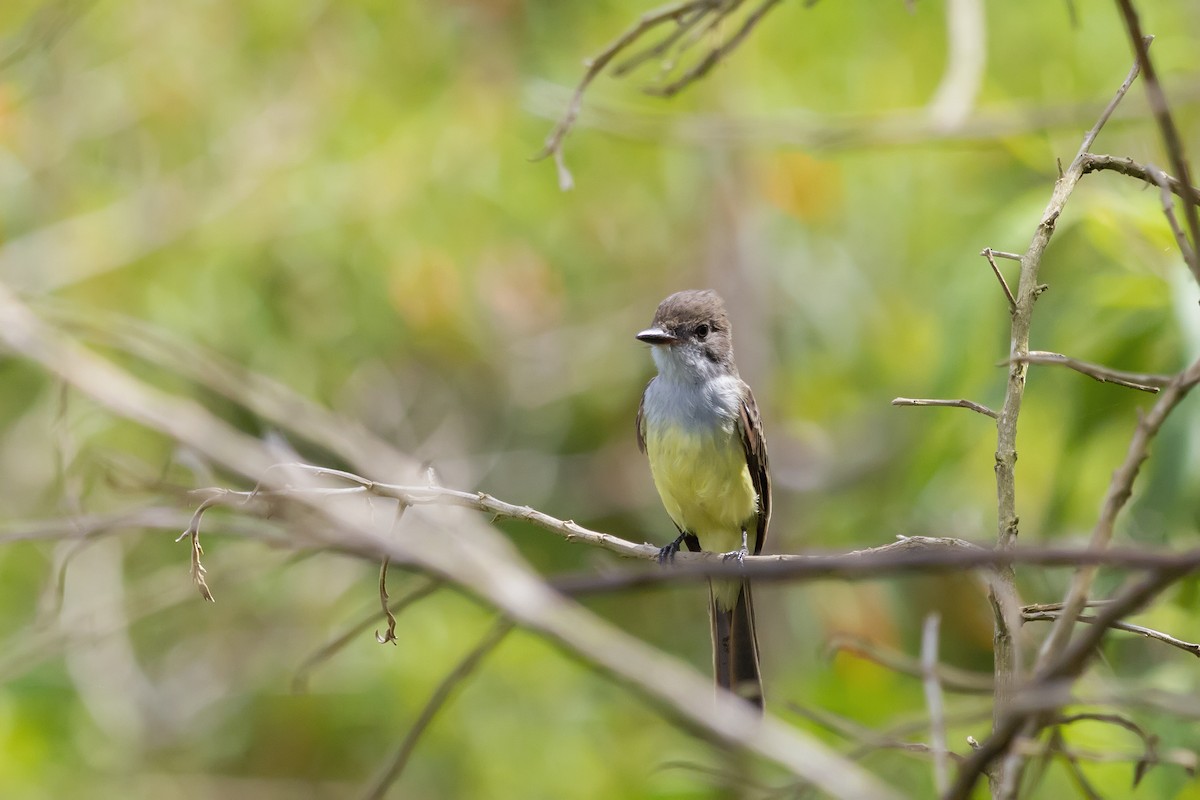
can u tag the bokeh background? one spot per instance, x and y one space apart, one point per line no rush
340 196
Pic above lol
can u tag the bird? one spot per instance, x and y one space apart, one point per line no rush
699 426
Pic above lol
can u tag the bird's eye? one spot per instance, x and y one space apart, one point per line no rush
701 331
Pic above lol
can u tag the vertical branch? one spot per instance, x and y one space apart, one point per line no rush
1003 594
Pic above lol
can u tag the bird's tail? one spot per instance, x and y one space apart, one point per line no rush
735 645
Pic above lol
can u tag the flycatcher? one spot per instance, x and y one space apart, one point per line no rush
699 426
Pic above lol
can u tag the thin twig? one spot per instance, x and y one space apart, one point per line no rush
301 677
990 254
1138 64
1149 633
933 699
391 773
645 23
390 634
924 401
1034 608
1168 205
1150 755
1175 757
1142 381
692 21
193 533
723 8
637 59
1093 162
714 56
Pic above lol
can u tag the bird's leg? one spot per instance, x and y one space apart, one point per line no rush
741 553
667 553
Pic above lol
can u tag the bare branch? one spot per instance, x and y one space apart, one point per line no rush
1127 166
1150 755
193 533
645 23
1034 608
1091 135
1168 204
1006 615
1142 381
301 678
685 23
907 555
705 65
1149 633
990 254
692 20
390 634
970 404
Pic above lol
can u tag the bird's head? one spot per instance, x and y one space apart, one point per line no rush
690 337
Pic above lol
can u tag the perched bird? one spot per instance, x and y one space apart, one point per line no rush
699 426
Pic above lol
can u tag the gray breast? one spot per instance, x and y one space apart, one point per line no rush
710 405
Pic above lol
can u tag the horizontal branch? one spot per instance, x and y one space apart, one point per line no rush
1142 381
923 401
907 555
1093 162
1149 633
914 555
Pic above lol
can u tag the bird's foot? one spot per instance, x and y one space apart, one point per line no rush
667 554
740 554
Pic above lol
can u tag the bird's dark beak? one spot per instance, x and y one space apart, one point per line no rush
657 336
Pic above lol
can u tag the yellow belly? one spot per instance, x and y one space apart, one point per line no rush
704 484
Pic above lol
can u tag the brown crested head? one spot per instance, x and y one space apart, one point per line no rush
695 318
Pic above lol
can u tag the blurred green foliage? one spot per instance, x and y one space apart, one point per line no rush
340 196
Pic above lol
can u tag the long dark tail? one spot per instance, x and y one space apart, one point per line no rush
735 645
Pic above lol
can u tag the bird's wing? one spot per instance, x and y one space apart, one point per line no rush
640 422
754 444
